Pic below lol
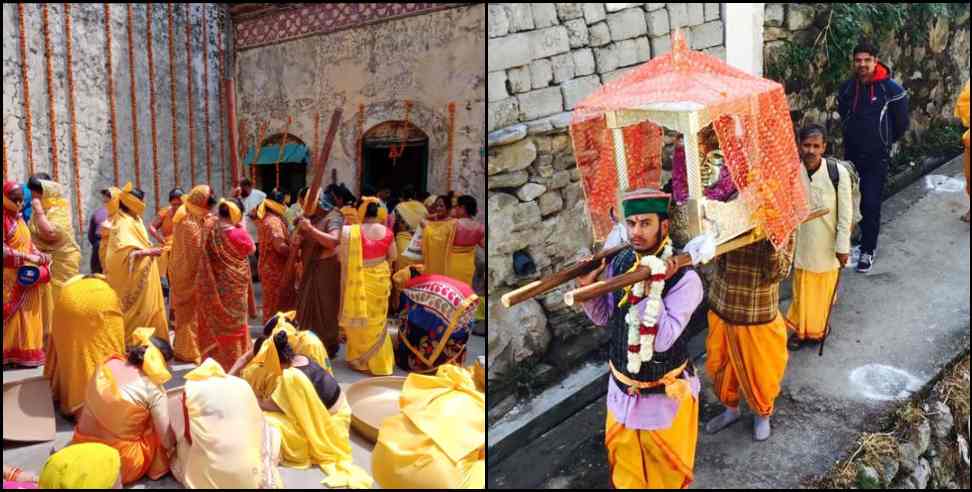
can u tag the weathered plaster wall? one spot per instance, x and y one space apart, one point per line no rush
91 100
432 59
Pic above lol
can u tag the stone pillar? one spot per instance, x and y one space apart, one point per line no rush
744 48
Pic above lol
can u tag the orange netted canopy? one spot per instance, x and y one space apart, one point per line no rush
687 90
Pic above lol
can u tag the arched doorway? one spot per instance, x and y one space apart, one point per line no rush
383 168
293 164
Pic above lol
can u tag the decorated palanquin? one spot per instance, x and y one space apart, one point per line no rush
617 138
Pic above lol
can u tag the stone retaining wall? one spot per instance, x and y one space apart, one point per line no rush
542 60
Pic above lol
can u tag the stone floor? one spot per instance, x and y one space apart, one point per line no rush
31 457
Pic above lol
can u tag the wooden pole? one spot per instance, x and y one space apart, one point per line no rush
546 284
598 289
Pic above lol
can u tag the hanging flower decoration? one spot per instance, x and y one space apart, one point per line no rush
642 329
396 151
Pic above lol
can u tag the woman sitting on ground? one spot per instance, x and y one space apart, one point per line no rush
125 407
306 405
222 439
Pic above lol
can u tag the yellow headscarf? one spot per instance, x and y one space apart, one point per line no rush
209 369
112 206
53 195
235 214
277 207
412 212
365 201
82 466
430 201
193 203
264 370
131 201
153 364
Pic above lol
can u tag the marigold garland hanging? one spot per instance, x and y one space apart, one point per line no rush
111 94
151 67
131 71
396 151
172 96
51 109
452 139
283 145
205 43
192 140
5 160
360 145
25 83
219 111
72 115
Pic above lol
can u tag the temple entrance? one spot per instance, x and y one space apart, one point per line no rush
293 165
384 167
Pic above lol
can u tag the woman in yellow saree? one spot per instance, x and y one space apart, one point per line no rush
126 408
306 405
132 269
439 439
189 225
105 228
23 329
304 342
222 439
52 233
367 250
222 283
88 328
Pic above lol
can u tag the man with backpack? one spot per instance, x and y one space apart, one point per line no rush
874 114
823 245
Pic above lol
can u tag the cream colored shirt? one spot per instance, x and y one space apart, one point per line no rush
819 241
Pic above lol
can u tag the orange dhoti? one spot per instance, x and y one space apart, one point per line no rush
659 459
812 294
748 359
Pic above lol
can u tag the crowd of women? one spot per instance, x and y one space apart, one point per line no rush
332 268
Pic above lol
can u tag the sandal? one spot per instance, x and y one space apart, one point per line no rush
794 343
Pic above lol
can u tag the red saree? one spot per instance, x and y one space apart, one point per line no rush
224 277
272 264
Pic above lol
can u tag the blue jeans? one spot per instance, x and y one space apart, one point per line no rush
874 177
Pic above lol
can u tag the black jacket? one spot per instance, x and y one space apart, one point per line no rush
874 116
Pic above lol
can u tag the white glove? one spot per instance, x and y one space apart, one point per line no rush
702 249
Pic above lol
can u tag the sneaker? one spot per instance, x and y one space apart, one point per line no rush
866 263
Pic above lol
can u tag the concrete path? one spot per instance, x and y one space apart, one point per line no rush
894 330
32 457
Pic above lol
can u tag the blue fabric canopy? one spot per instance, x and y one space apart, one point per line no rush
270 154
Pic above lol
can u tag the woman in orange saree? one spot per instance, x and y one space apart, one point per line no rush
126 408
274 250
224 277
23 329
189 224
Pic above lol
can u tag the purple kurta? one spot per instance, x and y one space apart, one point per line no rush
657 411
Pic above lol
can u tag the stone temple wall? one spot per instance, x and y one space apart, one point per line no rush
542 59
91 99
